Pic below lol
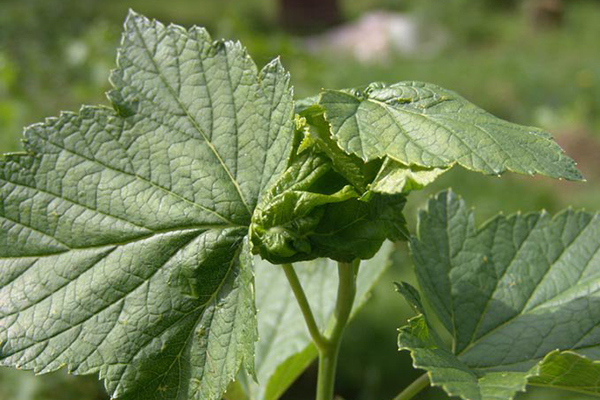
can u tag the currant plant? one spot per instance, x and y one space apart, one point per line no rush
153 243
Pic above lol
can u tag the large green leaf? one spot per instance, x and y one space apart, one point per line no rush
285 349
420 124
511 294
122 240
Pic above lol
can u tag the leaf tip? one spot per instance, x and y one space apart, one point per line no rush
131 13
133 17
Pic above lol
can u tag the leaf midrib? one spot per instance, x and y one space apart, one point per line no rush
181 229
472 341
388 109
114 246
435 119
191 334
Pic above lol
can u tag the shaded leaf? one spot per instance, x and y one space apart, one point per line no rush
562 370
510 293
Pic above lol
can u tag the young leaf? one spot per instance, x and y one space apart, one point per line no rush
510 293
285 349
394 177
123 246
384 176
425 125
351 167
311 211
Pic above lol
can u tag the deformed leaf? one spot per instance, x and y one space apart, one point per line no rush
312 211
519 297
420 124
123 234
351 167
394 177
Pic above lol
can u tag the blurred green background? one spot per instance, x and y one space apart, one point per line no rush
534 62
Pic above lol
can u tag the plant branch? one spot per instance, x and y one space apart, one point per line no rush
328 355
414 388
296 286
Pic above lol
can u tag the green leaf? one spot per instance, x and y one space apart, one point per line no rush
511 294
562 370
568 370
380 176
351 167
318 206
420 124
394 177
303 104
311 211
123 235
285 349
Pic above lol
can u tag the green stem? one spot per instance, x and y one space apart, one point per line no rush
414 388
329 345
296 286
328 355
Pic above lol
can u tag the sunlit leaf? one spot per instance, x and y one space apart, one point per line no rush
122 240
425 125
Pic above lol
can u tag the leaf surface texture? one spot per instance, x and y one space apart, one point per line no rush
420 124
123 242
519 297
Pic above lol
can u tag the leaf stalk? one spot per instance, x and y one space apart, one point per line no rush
327 344
414 388
319 340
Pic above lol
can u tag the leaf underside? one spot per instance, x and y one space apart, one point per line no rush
122 239
519 297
